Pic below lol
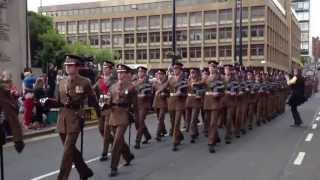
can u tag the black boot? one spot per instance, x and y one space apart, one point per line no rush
211 148
113 173
131 157
88 175
158 138
175 148
137 145
104 157
243 131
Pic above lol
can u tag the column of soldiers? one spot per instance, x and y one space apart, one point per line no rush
227 98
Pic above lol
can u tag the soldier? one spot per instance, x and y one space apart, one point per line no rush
144 88
102 88
212 104
9 111
72 91
229 102
252 99
176 102
123 108
205 74
260 94
194 102
160 103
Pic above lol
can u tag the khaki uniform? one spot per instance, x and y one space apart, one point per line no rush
193 106
123 102
143 103
252 105
213 107
160 105
70 122
8 106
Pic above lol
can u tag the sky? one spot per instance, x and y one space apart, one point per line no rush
315 12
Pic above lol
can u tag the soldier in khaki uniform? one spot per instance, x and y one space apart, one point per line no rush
229 102
212 104
252 99
176 102
10 112
102 88
72 91
123 107
144 88
260 94
194 102
160 103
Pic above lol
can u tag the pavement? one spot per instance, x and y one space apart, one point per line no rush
274 151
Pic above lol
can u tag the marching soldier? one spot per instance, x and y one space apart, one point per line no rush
252 99
72 91
229 102
160 103
123 108
213 105
9 112
205 74
260 93
176 102
144 88
194 102
102 88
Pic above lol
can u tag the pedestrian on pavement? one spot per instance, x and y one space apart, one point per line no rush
52 77
39 93
297 97
28 84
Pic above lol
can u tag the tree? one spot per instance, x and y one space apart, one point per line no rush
38 25
53 49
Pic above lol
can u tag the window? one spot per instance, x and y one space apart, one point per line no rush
71 39
183 52
210 52
257 31
154 22
304 26
195 52
303 16
225 16
225 33
72 27
167 21
82 39
210 34
305 36
105 25
244 32
61 27
257 12
142 23
195 35
105 40
244 50
142 37
117 54
94 40
117 25
117 40
210 18
195 19
257 50
182 20
154 37
94 26
167 36
154 53
225 51
166 53
83 27
245 13
129 38
142 54
129 24
129 54
182 35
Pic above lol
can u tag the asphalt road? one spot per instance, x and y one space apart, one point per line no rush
274 151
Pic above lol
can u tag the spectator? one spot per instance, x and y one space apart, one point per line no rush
39 92
297 97
52 77
28 104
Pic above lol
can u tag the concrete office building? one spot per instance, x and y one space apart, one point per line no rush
139 31
13 51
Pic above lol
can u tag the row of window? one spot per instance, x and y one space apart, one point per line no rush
142 23
155 37
194 52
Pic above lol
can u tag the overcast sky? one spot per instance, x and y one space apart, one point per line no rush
315 11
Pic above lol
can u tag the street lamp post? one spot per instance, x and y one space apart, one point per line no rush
174 31
240 35
238 49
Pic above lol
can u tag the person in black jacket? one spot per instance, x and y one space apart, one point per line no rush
297 95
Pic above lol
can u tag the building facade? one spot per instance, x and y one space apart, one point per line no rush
139 31
302 9
316 48
13 51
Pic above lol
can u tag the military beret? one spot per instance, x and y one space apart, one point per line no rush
123 68
71 59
